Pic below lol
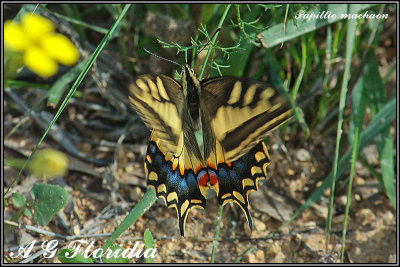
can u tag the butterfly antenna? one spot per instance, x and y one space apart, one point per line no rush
166 59
209 41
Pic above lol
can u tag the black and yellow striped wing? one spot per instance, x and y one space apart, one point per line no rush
159 102
237 114
241 113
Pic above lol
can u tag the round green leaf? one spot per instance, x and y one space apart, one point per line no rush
18 200
49 199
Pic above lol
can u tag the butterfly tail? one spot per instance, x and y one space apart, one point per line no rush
179 190
238 178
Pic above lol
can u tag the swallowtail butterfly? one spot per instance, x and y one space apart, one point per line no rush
233 116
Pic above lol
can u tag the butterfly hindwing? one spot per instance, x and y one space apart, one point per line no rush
179 190
238 178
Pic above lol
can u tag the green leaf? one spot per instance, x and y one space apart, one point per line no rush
18 200
220 23
15 84
148 243
65 256
350 36
297 111
141 207
49 199
115 259
12 62
57 90
207 12
239 59
27 212
358 103
376 100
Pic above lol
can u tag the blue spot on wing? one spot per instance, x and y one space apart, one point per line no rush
183 185
191 180
233 176
151 149
239 165
173 177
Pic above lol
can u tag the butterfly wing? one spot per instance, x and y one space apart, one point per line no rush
237 114
173 158
159 102
241 113
179 190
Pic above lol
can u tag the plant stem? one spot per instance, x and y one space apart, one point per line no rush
213 40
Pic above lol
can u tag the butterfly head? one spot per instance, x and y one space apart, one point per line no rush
190 83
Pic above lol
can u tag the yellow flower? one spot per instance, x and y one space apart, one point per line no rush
37 60
36 27
43 49
49 163
14 36
69 53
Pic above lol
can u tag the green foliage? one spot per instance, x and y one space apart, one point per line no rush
49 199
144 204
57 90
66 255
148 243
116 256
376 100
19 200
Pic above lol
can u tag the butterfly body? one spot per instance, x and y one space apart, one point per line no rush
231 114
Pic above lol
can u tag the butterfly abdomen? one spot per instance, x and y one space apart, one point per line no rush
191 90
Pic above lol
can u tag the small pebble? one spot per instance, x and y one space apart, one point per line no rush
273 250
136 193
259 255
303 155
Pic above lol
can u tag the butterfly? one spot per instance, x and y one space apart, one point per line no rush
206 134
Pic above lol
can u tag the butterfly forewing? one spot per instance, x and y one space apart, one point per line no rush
241 113
159 102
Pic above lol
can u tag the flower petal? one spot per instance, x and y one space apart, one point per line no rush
39 62
36 27
60 48
14 36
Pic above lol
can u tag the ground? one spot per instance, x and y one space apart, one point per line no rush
371 234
